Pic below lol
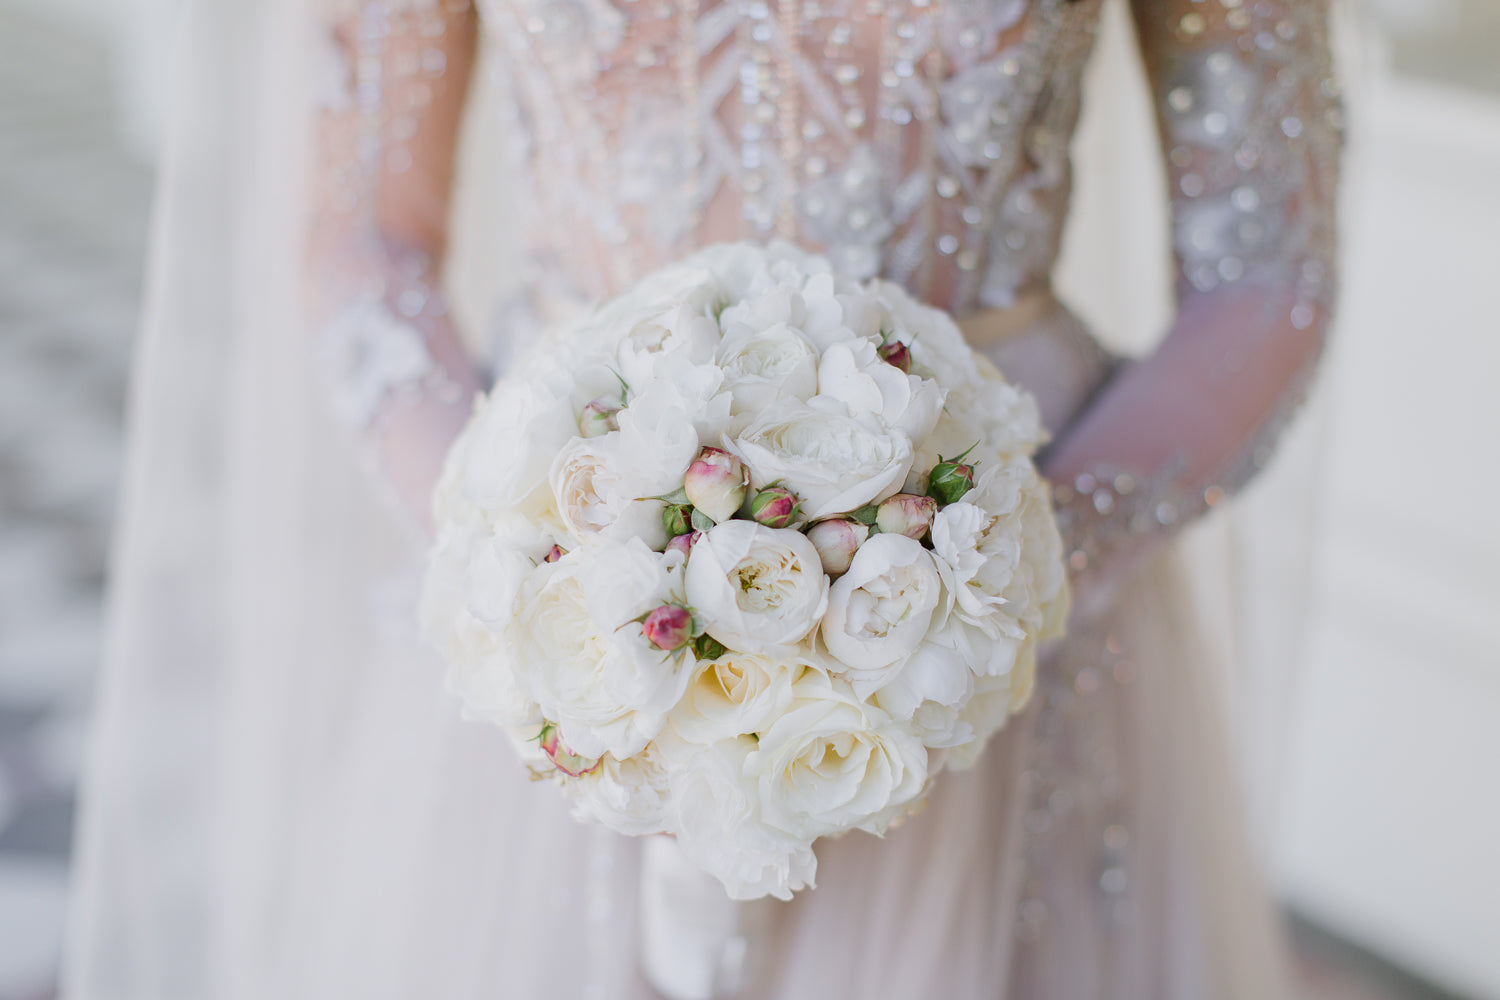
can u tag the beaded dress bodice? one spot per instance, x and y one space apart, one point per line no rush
923 140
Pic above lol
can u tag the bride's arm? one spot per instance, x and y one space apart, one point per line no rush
393 98
1248 113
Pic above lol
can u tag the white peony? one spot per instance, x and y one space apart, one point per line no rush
757 589
878 612
833 762
834 462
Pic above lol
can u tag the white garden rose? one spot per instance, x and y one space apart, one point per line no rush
736 694
605 687
719 826
757 589
833 462
663 423
762 366
515 436
977 540
1000 550
995 699
595 494
879 611
933 685
855 375
631 796
467 599
833 762
680 336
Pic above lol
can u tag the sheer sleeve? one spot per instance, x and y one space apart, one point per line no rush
390 102
1250 122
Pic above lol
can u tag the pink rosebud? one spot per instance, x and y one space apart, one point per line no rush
895 353
669 627
715 483
555 554
836 542
598 418
562 758
684 543
775 507
906 514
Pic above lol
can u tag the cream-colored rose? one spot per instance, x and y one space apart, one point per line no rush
736 694
835 463
757 589
832 763
878 612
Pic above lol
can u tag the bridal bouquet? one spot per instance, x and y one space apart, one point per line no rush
747 556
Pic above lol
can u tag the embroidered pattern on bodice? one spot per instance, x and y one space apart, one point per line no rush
923 140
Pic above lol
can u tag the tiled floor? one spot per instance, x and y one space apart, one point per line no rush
73 211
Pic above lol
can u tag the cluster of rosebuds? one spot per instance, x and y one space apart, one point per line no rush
716 488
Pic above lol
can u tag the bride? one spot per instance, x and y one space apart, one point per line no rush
284 803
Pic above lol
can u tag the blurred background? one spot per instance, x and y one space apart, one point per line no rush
1384 832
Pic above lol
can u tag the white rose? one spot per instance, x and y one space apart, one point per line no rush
595 495
764 365
855 375
680 336
832 461
833 763
467 597
1000 552
932 687
514 436
661 426
736 694
879 611
1005 417
756 588
607 688
718 825
631 796
938 349
994 701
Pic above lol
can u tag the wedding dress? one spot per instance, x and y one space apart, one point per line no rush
284 802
